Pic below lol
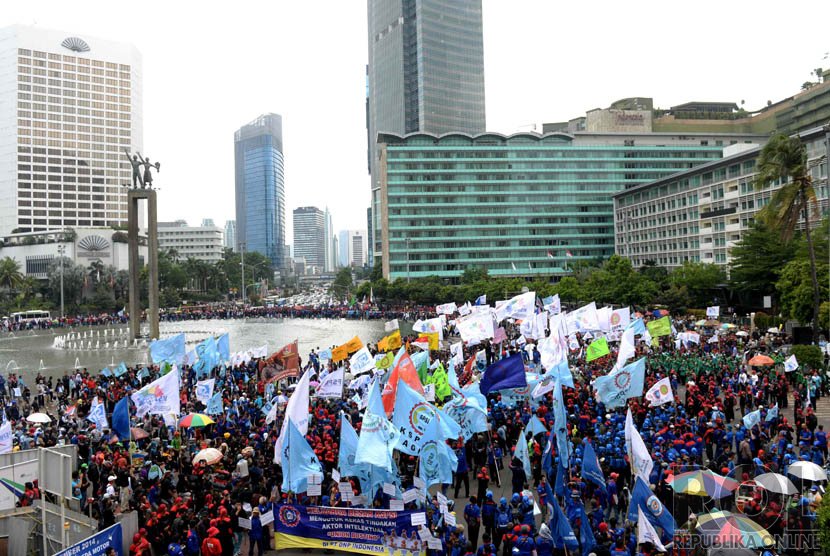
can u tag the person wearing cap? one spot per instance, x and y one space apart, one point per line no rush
211 545
488 514
523 544
256 535
472 515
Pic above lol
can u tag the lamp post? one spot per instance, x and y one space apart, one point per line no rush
61 252
242 253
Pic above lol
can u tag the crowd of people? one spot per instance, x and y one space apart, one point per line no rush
217 508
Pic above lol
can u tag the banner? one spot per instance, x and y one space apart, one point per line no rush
378 532
6 437
390 342
361 362
97 544
713 312
446 308
282 364
331 386
391 325
160 397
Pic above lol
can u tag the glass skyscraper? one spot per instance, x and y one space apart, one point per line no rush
425 74
260 188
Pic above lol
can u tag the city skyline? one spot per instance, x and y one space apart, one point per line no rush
182 87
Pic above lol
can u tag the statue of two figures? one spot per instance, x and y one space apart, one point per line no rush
137 161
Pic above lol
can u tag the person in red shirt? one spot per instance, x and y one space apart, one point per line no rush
211 545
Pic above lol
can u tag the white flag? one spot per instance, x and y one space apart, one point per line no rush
271 416
555 305
391 325
331 386
713 312
297 411
261 351
646 532
446 308
476 327
430 326
627 349
204 390
361 362
160 397
620 317
790 364
98 414
465 309
6 437
522 306
660 393
641 462
604 318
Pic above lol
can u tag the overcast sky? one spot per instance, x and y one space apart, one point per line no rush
208 71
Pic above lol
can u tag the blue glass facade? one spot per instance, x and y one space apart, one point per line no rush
260 188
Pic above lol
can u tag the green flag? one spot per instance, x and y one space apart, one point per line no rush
598 348
659 327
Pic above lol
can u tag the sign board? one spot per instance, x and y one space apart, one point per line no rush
97 544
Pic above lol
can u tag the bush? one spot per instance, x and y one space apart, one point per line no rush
823 524
697 313
809 357
764 321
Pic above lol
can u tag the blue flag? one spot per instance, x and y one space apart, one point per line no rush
298 461
377 441
562 372
121 419
617 386
215 406
560 425
143 373
223 346
521 452
504 373
590 466
772 414
481 300
560 529
560 487
208 357
348 448
325 355
547 457
535 426
638 325
106 372
752 419
586 534
170 350
411 416
120 370
375 400
437 461
468 414
654 510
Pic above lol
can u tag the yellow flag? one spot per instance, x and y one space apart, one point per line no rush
339 353
390 342
353 345
432 337
386 362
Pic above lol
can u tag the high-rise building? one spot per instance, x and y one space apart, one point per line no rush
203 243
425 73
69 107
330 245
358 248
260 188
230 235
343 248
309 237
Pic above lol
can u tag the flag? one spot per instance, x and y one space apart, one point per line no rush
476 327
590 466
638 455
620 318
638 326
446 308
552 304
481 300
559 485
437 461
513 265
520 307
412 414
560 424
384 361
772 414
659 327
296 411
390 342
223 346
791 364
404 369
521 452
434 326
171 350
535 426
204 390
342 351
121 419
377 441
391 325
660 393
752 419
6 437
301 461
504 373
208 357
653 509
568 253
431 340
617 386
325 355
160 397
98 414
584 318
596 349
70 411
550 255
468 413
348 448
331 386
215 406
547 457
283 363
361 362
560 529
627 348
646 532
586 534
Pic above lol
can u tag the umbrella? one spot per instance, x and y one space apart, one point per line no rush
807 470
727 326
712 322
194 420
139 433
761 361
703 483
39 418
16 488
700 322
724 527
208 455
741 333
775 482
773 331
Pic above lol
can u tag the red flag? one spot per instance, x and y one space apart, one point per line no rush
404 370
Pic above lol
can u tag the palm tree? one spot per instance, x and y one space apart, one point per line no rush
10 275
96 271
785 158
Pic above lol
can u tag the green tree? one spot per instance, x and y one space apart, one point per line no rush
784 158
656 273
758 260
701 280
73 282
10 275
795 287
342 285
474 274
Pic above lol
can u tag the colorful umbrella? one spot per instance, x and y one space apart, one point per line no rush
703 483
208 455
193 420
725 528
761 361
16 488
711 323
139 433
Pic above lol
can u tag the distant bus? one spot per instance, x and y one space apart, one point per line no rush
29 316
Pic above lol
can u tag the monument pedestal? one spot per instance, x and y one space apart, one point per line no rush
133 198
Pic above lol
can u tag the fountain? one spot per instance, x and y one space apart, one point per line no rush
97 344
41 367
99 334
135 343
107 345
77 363
89 344
9 364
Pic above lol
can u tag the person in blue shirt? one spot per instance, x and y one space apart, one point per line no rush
461 472
524 545
487 547
488 514
619 548
472 515
504 520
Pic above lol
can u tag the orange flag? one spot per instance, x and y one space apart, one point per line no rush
404 370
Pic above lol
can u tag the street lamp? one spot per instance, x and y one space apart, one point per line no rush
242 253
61 252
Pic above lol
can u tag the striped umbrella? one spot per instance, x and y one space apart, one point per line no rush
703 482
193 420
725 528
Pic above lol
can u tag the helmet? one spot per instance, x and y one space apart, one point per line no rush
516 498
174 549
